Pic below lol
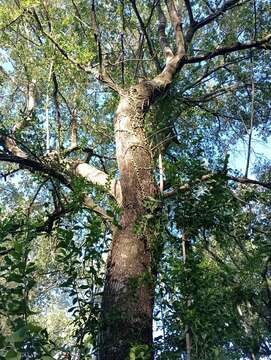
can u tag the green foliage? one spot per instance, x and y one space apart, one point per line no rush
210 243
139 352
217 293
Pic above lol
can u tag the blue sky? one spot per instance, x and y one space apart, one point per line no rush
238 154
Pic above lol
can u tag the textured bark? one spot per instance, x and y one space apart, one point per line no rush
128 295
129 289
128 298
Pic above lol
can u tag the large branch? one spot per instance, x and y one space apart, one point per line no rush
176 23
173 62
223 50
10 145
88 172
34 165
98 177
49 164
190 12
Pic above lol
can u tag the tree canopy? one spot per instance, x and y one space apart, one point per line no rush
196 78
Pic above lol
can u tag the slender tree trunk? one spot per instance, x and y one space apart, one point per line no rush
188 339
129 291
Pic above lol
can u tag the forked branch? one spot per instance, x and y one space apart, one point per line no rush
196 25
144 31
34 165
100 74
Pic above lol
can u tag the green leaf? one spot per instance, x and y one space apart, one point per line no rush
17 336
12 355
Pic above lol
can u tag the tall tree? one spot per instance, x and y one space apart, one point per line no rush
99 102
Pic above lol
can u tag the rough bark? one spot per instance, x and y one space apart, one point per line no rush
129 289
128 295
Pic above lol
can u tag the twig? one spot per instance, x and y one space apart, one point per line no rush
47 123
57 109
251 118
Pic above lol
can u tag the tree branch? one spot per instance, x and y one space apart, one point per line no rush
144 30
176 23
162 23
188 186
227 50
98 177
88 172
57 109
29 107
12 21
57 45
90 204
190 12
9 144
9 173
34 165
244 180
199 24
7 75
100 75
96 32
73 126
208 72
173 62
214 94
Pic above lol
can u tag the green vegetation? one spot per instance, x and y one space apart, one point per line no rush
118 121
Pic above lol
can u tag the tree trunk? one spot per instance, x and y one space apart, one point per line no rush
129 290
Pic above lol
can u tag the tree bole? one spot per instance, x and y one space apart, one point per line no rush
129 289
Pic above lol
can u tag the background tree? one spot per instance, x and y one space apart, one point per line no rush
117 123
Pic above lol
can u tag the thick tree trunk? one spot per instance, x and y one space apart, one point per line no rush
128 295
